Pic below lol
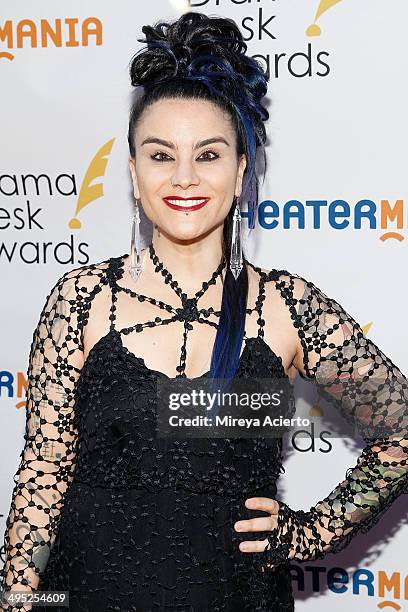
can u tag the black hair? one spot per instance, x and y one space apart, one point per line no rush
204 57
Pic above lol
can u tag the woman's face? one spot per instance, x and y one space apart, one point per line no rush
173 161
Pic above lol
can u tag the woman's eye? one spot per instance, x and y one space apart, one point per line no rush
212 153
161 154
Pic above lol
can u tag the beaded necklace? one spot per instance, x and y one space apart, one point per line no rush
189 311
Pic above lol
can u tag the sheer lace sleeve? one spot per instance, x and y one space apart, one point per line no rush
372 394
47 461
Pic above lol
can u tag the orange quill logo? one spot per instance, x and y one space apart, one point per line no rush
325 5
89 191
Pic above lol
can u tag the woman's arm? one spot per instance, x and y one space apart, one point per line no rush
47 461
372 394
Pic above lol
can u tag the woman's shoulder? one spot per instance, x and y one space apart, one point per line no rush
85 279
284 278
297 291
303 295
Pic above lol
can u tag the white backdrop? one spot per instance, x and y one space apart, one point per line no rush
337 131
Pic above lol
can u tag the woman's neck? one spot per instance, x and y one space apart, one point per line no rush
189 263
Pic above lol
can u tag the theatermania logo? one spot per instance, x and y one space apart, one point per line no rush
367 214
70 32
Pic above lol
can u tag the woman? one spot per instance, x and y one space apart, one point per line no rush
104 508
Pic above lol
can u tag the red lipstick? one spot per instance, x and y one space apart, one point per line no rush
170 201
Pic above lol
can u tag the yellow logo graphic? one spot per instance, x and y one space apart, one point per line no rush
88 192
316 411
325 5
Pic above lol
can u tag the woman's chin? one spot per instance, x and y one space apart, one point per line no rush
186 231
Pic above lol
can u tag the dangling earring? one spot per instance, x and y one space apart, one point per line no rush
135 265
236 263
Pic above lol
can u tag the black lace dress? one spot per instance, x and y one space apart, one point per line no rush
127 521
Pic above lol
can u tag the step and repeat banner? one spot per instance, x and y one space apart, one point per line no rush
337 135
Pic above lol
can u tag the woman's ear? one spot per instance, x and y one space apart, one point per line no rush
240 175
132 168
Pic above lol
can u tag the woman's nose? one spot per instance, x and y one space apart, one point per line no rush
185 175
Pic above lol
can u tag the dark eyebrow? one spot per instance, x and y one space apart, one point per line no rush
200 144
